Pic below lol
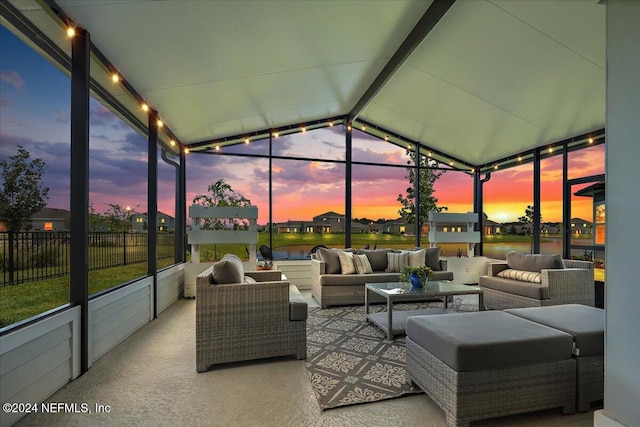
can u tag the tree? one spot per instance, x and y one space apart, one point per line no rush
527 223
23 193
222 195
118 219
426 180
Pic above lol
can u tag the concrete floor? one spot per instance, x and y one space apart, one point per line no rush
151 380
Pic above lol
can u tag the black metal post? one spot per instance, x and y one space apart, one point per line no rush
79 194
271 191
152 206
535 248
181 209
347 183
566 205
478 208
416 190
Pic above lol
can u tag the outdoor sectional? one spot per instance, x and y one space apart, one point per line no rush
537 280
330 285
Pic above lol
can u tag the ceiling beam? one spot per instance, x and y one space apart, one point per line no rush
434 13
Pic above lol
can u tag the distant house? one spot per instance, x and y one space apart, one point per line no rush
300 227
50 219
140 222
580 226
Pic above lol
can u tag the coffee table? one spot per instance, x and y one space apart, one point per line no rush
394 323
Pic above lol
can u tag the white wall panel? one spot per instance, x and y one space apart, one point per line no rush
170 286
37 360
116 315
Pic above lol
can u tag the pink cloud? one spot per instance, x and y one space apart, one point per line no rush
13 78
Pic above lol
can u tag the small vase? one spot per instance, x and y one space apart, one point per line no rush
415 281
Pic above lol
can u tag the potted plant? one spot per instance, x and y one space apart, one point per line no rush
417 276
266 264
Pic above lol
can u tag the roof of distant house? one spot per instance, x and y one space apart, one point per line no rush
51 213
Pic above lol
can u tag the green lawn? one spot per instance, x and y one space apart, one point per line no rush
20 302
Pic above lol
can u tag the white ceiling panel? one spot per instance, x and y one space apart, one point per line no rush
212 69
486 84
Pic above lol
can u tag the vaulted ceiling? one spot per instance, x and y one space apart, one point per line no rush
489 80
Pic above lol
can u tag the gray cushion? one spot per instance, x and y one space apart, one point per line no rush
357 279
432 258
441 275
516 287
297 304
331 259
377 258
585 324
533 262
487 340
228 270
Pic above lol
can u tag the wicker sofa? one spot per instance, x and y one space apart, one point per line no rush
331 285
255 316
537 280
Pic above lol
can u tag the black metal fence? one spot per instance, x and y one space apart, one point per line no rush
31 256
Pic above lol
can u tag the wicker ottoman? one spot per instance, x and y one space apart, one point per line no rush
489 364
586 325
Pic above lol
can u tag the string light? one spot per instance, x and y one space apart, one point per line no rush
451 163
145 107
495 167
551 149
590 140
115 78
160 124
473 170
330 124
246 140
429 154
71 32
276 134
172 142
519 158
364 127
304 129
217 147
348 127
386 137
186 151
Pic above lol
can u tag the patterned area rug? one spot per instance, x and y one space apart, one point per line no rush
351 362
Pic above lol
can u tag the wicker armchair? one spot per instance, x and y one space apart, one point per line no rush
573 284
236 322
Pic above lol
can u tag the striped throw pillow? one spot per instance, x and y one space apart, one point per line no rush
363 266
395 261
523 276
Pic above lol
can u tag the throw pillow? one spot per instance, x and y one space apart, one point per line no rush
331 260
377 258
346 262
432 258
362 264
249 280
521 275
417 258
228 270
395 261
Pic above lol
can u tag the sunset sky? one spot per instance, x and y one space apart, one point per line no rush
34 113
